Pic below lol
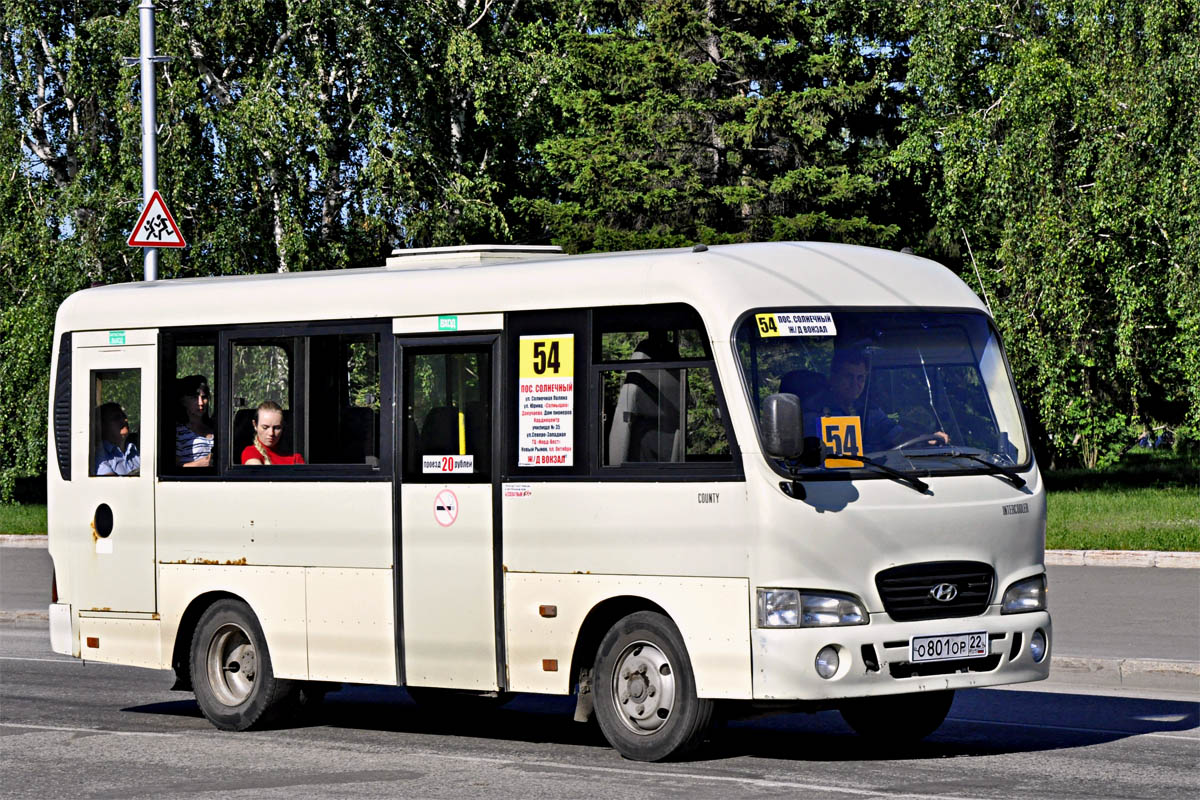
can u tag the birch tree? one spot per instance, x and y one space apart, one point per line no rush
1062 140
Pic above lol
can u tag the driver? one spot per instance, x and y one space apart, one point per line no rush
847 380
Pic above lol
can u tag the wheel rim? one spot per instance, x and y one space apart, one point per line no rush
643 688
232 664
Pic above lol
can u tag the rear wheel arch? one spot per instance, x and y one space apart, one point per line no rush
181 651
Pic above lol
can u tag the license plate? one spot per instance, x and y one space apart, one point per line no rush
945 648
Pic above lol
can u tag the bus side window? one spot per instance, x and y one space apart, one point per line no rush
343 404
666 411
662 416
116 420
327 388
447 413
188 439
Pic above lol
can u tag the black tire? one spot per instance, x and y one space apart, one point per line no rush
232 677
898 718
645 691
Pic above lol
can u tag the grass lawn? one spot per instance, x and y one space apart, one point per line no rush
22 519
1124 519
1150 500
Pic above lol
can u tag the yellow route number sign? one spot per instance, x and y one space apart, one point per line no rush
547 357
767 326
842 437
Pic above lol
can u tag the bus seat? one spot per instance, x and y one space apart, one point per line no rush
411 445
646 419
479 434
359 432
439 432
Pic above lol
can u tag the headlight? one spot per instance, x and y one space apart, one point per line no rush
1026 595
794 608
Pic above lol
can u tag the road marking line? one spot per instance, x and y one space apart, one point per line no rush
763 783
83 730
1069 728
46 660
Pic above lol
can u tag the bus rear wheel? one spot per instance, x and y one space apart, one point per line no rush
646 700
232 677
898 718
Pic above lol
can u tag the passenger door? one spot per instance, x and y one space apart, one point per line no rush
449 556
111 521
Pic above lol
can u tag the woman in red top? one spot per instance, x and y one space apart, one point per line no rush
268 427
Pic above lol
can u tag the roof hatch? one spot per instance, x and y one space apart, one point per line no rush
468 255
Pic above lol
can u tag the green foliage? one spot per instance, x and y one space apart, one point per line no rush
1063 139
1137 469
689 121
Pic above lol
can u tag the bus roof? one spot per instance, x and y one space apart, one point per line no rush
721 282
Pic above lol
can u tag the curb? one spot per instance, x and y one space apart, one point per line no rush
1128 673
1122 558
1054 558
23 540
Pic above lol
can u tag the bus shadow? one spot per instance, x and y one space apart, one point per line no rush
982 722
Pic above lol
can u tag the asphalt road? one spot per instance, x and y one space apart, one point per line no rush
98 731
73 730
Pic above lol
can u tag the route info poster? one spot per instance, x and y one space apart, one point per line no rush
546 401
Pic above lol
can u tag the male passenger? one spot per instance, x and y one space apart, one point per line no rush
847 381
117 456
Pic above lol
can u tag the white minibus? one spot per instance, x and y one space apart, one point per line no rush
786 475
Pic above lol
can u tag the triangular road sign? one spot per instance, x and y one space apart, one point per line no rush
156 227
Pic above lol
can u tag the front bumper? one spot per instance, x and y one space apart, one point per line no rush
783 658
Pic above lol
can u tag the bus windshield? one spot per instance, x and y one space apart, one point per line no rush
924 391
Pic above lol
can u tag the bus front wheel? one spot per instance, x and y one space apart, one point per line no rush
646 700
898 717
232 677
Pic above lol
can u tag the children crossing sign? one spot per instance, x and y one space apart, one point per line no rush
156 227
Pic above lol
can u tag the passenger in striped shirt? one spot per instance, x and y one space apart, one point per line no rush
194 429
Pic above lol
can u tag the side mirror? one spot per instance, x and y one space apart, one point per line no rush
781 426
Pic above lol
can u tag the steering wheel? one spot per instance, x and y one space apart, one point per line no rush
925 437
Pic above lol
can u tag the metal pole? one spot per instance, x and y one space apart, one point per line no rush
149 123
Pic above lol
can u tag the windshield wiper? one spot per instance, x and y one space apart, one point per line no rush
895 474
993 468
796 489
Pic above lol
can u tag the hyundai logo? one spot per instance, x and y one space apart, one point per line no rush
944 592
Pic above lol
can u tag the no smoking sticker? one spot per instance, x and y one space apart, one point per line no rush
445 508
